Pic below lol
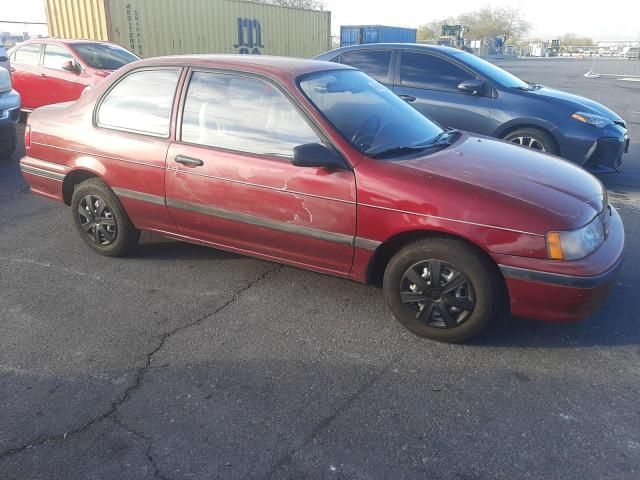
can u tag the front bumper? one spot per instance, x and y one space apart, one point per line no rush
565 291
9 108
598 150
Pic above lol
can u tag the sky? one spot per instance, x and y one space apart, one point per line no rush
615 20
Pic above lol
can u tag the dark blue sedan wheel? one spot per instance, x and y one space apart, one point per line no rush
532 138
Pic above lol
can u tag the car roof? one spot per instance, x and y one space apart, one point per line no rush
391 46
264 64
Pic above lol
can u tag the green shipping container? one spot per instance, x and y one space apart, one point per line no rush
167 27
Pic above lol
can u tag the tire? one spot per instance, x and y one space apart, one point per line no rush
533 138
8 141
475 299
104 226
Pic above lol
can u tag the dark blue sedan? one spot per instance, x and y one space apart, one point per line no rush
460 90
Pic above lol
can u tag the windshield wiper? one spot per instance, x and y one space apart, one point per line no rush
443 138
398 149
530 87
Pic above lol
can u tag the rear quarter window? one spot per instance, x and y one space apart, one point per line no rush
141 102
375 63
27 54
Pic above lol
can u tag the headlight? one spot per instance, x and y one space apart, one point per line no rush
5 80
576 244
592 119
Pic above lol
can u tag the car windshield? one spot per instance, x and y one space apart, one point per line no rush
368 114
491 71
104 56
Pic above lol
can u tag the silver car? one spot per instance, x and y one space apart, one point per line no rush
4 58
9 108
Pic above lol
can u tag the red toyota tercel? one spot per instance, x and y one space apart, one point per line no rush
317 165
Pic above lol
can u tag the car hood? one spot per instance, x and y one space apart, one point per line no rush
575 103
562 195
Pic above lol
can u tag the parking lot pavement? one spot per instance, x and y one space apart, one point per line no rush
185 362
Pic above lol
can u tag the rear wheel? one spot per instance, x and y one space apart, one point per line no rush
442 289
101 220
532 138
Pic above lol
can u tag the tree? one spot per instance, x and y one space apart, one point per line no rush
573 40
309 4
431 31
489 23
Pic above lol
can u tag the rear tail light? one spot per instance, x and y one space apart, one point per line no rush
27 136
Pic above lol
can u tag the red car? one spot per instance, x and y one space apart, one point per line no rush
51 70
317 165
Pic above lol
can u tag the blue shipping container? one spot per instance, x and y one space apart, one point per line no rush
360 34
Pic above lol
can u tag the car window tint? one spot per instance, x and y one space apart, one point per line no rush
55 56
28 55
374 63
141 102
104 56
428 71
242 114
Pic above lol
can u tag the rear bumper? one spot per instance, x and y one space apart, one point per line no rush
565 291
44 178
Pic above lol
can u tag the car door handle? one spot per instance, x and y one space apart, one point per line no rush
408 98
192 162
43 75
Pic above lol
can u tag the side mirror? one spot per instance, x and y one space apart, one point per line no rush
71 66
474 87
316 155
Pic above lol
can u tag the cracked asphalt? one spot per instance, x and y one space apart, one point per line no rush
182 362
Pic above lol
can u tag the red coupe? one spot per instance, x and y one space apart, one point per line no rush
316 165
53 70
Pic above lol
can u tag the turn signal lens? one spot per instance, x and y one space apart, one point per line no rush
554 246
580 118
27 136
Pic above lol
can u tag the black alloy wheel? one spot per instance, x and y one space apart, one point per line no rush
440 295
97 220
444 289
101 219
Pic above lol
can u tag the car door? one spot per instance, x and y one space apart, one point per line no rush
430 82
60 85
131 138
25 74
230 180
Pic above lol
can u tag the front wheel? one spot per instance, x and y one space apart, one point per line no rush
532 138
442 289
101 220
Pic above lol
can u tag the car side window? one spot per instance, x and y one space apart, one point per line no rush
28 54
242 114
375 63
141 102
55 56
420 70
